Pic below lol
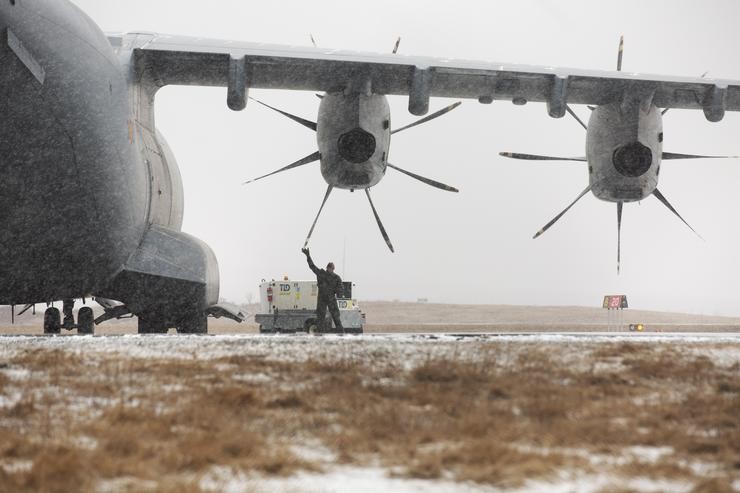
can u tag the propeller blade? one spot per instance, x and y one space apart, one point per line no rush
320 96
665 202
673 155
429 117
428 181
306 160
298 119
619 235
573 114
380 223
398 43
548 225
592 108
313 41
534 157
621 52
313 226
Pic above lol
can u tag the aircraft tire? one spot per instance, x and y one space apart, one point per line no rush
194 325
85 321
147 327
52 321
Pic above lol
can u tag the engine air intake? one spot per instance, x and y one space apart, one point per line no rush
633 159
357 146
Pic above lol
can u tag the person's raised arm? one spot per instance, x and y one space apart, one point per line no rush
311 265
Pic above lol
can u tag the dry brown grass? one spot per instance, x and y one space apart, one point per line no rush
495 420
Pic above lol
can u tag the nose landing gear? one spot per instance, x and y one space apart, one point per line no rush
53 319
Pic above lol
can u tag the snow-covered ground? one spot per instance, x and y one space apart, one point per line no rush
302 347
407 351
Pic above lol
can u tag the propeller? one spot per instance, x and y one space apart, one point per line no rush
317 157
298 119
380 223
534 157
428 181
427 118
548 225
326 197
306 160
665 202
398 43
621 53
673 155
313 41
619 235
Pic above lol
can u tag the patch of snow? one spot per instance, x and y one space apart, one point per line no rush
649 454
16 466
337 480
314 452
252 377
603 482
10 400
16 373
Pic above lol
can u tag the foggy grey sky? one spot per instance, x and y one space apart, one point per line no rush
476 246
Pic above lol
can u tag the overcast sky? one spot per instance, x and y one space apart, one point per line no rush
476 246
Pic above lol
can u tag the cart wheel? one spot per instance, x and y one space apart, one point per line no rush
310 326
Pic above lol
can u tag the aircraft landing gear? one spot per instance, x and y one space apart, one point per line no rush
52 321
85 321
151 327
69 317
197 324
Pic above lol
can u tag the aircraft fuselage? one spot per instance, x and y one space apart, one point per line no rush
85 173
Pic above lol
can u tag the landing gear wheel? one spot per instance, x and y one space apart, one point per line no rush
197 324
147 327
85 321
52 321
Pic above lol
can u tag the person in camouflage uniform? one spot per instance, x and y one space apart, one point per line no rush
330 288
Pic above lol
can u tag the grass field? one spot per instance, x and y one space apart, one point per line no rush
281 414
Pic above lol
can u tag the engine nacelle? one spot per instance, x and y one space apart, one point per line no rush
353 133
624 149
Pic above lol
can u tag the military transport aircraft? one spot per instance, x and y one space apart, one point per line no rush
91 200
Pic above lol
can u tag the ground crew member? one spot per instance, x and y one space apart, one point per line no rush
330 287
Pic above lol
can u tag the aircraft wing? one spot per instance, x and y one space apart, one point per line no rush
195 61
